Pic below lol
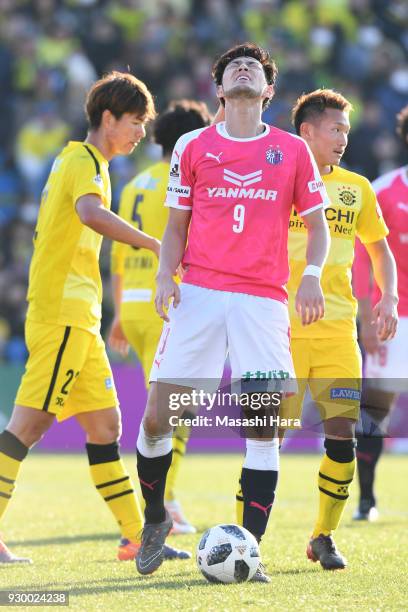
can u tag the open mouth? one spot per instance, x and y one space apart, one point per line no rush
242 77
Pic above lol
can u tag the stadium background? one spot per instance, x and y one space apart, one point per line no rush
52 50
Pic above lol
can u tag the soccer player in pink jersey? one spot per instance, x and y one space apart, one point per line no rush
231 189
386 368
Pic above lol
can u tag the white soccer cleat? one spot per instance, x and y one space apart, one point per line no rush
6 556
181 526
366 512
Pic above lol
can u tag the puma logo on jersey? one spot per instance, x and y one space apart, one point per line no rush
217 157
402 206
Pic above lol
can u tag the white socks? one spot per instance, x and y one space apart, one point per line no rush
153 446
262 455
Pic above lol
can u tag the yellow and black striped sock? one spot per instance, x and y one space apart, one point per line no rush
239 505
115 487
180 439
334 480
12 453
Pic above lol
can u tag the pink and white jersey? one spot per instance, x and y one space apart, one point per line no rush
240 191
392 195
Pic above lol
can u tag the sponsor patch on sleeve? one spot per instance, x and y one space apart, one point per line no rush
179 190
315 186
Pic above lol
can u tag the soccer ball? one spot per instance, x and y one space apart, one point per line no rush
228 553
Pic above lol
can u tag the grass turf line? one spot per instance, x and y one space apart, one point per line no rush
57 518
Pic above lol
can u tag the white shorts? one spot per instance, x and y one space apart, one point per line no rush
387 369
208 325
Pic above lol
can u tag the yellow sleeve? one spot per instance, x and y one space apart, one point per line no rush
118 258
85 179
370 223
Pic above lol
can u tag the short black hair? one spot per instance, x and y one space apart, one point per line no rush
402 125
246 49
180 117
311 106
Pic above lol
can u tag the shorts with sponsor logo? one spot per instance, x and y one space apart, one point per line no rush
331 368
67 371
208 325
387 369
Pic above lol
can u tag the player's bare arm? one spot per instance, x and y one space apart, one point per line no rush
384 314
117 339
368 331
309 298
172 250
92 213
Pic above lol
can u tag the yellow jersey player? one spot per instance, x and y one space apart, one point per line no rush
134 272
67 372
326 355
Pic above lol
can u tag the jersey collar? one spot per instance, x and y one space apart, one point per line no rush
221 130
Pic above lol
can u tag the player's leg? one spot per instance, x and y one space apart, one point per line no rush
258 341
40 396
93 402
191 349
25 428
335 386
144 336
375 408
291 405
336 473
385 377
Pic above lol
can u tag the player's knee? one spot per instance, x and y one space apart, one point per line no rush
29 433
340 427
104 433
151 425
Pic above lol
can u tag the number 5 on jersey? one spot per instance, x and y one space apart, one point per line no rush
239 216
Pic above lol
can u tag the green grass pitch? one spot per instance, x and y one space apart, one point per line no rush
58 519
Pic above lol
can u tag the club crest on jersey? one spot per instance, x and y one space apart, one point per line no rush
347 196
274 156
98 180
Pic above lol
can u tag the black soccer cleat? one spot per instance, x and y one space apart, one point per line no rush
171 554
323 549
151 552
260 575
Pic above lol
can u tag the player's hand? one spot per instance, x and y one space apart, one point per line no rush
166 289
117 339
368 335
385 317
309 302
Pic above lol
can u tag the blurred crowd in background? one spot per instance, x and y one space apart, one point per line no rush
52 50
